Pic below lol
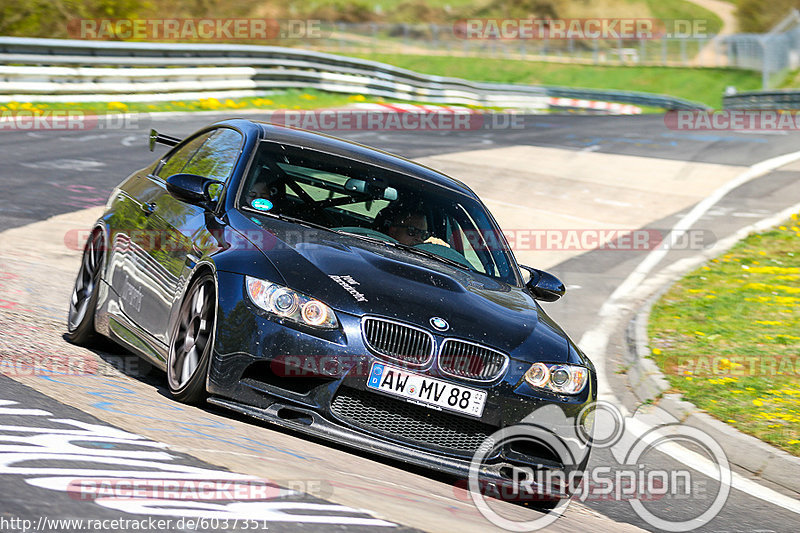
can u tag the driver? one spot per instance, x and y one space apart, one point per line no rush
409 228
407 225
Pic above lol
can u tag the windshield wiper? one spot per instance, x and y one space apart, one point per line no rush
366 237
287 218
433 255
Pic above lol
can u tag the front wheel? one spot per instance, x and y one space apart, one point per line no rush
82 304
191 342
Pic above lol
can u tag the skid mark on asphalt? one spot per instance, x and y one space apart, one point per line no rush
81 196
80 165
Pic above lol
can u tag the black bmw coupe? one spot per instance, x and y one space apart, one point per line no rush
333 289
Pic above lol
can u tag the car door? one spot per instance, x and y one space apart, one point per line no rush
182 229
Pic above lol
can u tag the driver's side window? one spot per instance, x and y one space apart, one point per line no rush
211 155
181 157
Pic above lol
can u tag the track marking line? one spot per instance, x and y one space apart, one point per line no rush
595 341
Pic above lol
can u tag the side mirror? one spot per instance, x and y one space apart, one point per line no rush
543 285
190 188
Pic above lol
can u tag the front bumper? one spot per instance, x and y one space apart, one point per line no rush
245 375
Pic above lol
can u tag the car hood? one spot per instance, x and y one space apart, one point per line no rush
360 277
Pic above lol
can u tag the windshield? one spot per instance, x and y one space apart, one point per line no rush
370 202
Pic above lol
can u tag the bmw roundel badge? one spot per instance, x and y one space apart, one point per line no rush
440 324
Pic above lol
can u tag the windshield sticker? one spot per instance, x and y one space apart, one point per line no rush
347 283
262 204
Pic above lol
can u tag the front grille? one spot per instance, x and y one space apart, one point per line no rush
466 360
398 341
410 422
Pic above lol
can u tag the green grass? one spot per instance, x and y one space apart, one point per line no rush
310 99
727 336
704 85
683 10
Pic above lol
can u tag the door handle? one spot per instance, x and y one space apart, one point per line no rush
148 208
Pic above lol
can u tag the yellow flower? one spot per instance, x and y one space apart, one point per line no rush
794 441
656 351
117 106
758 403
357 98
308 97
782 228
762 252
700 333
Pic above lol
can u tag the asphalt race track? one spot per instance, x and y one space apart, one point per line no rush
115 420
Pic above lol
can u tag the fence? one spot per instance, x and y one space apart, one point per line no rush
435 39
73 70
772 53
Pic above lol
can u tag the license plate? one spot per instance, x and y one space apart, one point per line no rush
430 392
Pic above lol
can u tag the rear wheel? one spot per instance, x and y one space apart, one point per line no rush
82 304
191 342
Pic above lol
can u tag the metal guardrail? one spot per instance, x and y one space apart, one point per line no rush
73 70
786 99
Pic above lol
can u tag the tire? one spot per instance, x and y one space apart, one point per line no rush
191 342
83 302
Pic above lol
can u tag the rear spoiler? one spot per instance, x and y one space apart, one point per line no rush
160 138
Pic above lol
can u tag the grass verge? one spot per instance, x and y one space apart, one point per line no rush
727 336
705 85
291 99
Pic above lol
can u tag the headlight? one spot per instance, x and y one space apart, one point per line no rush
564 379
286 303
